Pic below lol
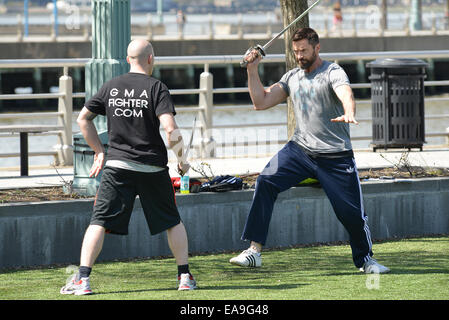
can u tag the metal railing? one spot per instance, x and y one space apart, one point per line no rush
206 92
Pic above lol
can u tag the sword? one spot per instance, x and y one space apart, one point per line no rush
189 146
261 49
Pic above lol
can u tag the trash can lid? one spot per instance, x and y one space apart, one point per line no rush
397 63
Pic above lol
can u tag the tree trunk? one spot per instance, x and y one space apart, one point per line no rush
290 10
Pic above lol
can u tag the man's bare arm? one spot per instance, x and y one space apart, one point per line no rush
90 133
262 98
175 141
344 93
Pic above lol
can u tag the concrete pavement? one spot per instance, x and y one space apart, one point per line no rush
57 176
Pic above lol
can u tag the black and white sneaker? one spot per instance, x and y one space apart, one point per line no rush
248 258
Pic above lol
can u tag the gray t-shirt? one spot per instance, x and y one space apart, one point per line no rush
315 104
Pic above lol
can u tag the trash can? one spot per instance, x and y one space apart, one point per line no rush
397 97
83 158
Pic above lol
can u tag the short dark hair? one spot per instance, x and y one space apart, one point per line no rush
306 33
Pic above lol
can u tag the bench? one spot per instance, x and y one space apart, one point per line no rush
24 130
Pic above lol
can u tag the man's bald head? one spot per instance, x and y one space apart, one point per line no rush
139 51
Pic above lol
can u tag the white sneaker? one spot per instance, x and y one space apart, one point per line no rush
248 258
77 287
186 282
372 266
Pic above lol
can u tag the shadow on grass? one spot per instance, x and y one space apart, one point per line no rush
258 286
421 262
405 258
203 288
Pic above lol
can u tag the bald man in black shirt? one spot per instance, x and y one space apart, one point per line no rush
135 105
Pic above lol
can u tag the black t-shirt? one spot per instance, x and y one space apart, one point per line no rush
132 103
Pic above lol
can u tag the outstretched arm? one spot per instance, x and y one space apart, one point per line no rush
344 93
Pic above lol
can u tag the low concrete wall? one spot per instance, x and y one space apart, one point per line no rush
51 232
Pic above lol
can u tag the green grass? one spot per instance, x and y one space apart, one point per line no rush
420 270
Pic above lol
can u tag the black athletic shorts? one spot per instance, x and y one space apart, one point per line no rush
117 193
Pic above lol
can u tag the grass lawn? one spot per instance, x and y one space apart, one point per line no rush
419 270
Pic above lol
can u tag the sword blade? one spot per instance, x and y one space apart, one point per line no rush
189 146
269 43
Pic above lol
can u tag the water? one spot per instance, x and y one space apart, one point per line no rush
230 135
40 143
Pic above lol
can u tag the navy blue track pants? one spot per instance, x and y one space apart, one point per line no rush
339 180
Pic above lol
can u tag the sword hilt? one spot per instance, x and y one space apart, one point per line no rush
260 52
261 49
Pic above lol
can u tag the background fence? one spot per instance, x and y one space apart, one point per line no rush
205 108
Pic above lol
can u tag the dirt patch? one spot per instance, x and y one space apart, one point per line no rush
403 173
57 193
37 194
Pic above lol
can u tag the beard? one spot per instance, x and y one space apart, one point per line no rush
307 63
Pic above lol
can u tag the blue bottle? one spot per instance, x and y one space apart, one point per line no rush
185 184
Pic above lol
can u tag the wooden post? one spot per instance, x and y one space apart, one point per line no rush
65 105
206 103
